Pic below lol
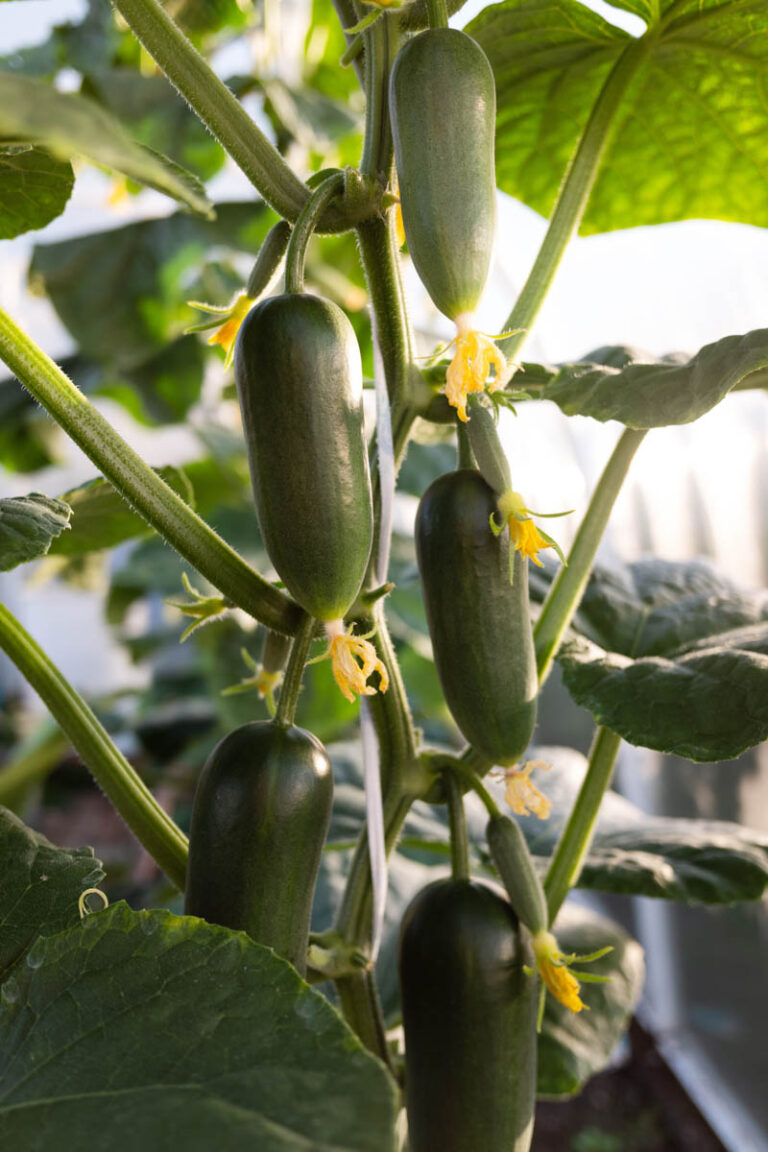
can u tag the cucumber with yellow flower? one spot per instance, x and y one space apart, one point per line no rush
442 101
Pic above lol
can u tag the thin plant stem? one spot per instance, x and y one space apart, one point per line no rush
140 486
458 828
566 863
568 587
150 824
303 229
291 686
437 13
377 142
573 196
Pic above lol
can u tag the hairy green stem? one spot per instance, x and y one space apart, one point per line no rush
216 106
377 142
576 838
152 826
291 686
305 226
143 489
458 828
568 587
437 13
378 251
359 1000
573 196
345 10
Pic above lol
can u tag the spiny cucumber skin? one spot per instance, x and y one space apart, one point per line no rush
443 110
479 623
300 385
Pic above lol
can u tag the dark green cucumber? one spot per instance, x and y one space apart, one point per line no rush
509 852
479 623
259 823
469 1014
300 384
443 107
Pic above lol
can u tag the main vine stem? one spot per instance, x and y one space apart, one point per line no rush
573 845
573 197
568 587
144 490
220 111
151 825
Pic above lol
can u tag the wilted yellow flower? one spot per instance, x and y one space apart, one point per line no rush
477 365
345 650
522 795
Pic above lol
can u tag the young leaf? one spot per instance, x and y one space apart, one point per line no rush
690 137
672 657
655 393
175 1025
28 524
633 854
573 1047
153 261
69 125
102 519
34 189
40 889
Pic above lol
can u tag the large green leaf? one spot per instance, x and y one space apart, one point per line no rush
633 854
69 125
672 657
655 392
135 1025
690 134
102 519
122 294
34 189
40 889
157 117
28 525
574 1046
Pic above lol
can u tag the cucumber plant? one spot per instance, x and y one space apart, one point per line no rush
490 984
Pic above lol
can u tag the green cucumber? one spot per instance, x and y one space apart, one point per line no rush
259 822
300 384
510 853
479 623
469 1015
443 108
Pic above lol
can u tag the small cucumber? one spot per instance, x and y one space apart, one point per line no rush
479 623
469 1015
443 108
509 852
259 822
300 384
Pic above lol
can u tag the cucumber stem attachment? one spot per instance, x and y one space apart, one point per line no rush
291 686
306 223
150 824
437 13
458 825
568 857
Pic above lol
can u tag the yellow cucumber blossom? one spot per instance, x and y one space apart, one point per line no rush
345 650
226 323
524 536
552 965
522 795
477 366
556 972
